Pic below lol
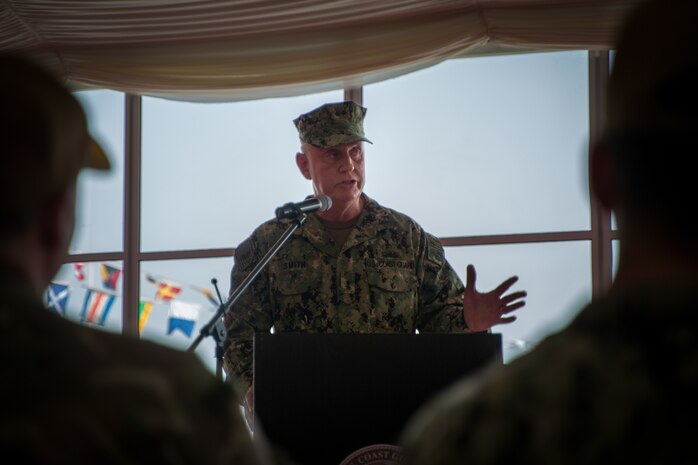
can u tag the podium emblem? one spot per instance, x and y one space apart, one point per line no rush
377 454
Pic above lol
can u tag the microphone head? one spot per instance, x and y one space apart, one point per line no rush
292 210
325 202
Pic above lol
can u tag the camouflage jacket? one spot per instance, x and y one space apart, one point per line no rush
617 386
389 276
75 395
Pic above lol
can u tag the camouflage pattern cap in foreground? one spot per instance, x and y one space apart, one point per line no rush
332 124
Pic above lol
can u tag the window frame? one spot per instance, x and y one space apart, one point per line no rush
601 235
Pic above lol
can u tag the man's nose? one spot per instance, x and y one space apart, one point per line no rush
346 164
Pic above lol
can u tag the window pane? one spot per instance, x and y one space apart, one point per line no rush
556 276
214 172
160 279
489 145
90 299
99 222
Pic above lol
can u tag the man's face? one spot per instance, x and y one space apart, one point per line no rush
335 171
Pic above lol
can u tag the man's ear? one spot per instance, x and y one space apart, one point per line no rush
303 164
602 175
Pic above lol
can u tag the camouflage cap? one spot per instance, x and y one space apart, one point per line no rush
332 124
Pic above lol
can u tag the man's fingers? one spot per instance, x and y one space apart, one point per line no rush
512 307
506 320
470 277
502 288
507 299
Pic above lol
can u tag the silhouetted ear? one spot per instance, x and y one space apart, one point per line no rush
602 175
302 163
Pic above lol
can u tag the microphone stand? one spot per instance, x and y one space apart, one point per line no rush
216 326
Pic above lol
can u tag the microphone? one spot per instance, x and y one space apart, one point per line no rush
292 210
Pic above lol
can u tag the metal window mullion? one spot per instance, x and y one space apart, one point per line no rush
520 238
601 251
132 215
354 94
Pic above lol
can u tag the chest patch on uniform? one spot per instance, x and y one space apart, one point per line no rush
294 265
390 263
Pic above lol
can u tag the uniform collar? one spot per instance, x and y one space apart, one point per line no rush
372 219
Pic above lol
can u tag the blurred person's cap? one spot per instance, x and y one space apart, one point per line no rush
44 142
332 124
654 80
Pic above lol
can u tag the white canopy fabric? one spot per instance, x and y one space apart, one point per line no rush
222 50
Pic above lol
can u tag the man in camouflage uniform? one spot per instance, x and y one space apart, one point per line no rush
619 384
74 395
356 268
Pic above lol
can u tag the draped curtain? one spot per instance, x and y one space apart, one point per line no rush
247 49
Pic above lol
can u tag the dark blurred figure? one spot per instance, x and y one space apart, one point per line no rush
619 384
72 394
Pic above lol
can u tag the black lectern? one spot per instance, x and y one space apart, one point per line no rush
323 396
